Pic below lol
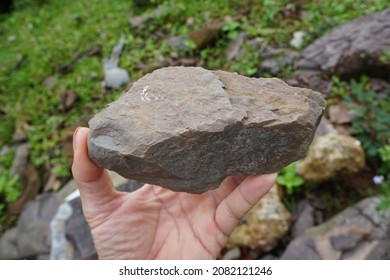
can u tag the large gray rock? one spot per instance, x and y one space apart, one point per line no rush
352 49
31 236
358 232
187 128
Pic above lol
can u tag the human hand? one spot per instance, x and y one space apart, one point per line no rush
156 223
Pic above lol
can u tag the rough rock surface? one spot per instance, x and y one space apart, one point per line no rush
353 48
187 128
303 217
31 236
331 155
358 232
264 226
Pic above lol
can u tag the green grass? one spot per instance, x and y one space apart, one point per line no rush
40 36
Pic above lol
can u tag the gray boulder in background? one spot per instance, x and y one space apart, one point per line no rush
358 232
353 48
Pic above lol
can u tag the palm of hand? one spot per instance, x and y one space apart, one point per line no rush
154 223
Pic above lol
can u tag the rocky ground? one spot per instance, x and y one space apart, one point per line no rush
300 225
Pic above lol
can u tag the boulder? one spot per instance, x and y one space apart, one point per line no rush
264 226
31 236
331 155
187 128
352 49
358 232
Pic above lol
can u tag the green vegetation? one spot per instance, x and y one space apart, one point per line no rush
10 188
385 177
288 178
47 38
371 125
372 120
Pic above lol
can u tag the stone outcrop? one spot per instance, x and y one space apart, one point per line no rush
356 47
359 232
187 128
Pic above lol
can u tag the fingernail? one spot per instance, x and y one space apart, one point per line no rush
75 139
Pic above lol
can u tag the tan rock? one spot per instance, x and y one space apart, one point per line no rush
330 155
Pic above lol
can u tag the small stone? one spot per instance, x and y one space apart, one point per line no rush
235 48
177 42
297 40
329 156
50 82
187 128
207 34
304 218
232 254
68 98
20 161
341 114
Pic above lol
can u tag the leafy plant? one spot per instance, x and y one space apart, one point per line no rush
385 57
385 184
288 178
232 28
10 190
371 124
10 187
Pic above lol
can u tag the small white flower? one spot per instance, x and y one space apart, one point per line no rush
378 179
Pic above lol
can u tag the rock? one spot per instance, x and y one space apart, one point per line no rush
312 80
353 48
275 61
358 232
235 48
303 218
60 246
329 156
50 82
52 184
341 114
20 161
68 98
143 20
297 40
232 254
115 76
177 42
205 35
31 235
264 226
78 233
187 128
325 127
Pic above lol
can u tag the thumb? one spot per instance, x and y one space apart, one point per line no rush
95 185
